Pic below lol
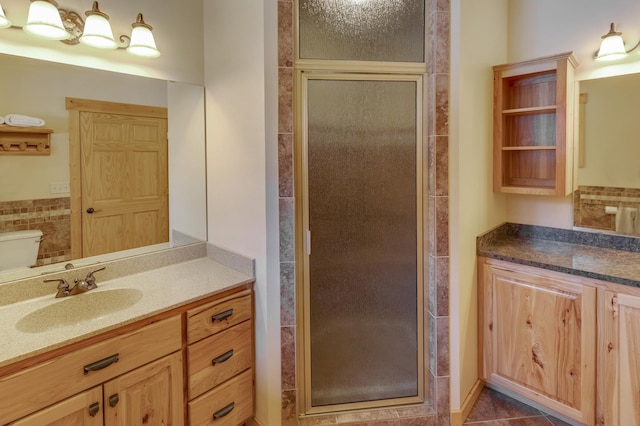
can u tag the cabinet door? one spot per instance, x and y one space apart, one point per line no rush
149 395
84 409
620 359
539 334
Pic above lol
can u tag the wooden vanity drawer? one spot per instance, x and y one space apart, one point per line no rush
227 405
219 357
217 316
66 375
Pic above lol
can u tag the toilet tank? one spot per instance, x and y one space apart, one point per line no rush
19 249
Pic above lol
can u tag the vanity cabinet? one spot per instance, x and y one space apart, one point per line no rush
538 334
220 361
84 409
151 394
137 374
533 126
62 377
619 345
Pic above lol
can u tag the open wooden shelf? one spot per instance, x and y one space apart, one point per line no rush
533 126
16 140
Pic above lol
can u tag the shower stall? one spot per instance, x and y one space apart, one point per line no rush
359 91
362 236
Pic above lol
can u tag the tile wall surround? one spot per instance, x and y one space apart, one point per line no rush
52 216
436 238
589 204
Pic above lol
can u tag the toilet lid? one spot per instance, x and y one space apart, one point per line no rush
16 235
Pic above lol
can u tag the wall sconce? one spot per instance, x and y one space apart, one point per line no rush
612 46
47 20
4 22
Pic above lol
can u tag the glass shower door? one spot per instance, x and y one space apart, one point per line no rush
362 220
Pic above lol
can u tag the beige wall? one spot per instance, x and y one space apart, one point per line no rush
483 35
27 89
187 162
242 180
177 28
546 27
478 33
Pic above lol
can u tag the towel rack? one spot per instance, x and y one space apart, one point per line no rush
25 140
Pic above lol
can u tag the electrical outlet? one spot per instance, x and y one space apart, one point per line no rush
59 187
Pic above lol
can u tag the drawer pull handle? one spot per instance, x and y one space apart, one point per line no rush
99 365
226 410
113 400
94 408
222 315
222 358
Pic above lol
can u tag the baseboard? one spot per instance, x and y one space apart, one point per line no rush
459 416
253 422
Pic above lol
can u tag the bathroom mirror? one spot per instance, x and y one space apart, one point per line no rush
609 149
39 88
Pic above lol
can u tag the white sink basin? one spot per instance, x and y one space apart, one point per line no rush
72 310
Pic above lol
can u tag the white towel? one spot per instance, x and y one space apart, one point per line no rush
23 120
625 220
636 227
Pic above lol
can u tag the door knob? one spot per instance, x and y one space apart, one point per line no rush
90 210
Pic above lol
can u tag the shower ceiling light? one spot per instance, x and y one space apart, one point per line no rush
47 20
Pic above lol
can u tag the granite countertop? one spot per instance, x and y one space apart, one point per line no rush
612 258
153 292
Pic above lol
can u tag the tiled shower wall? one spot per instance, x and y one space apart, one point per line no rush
436 257
51 216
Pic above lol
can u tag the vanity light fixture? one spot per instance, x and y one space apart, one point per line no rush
97 30
44 20
142 42
4 22
48 21
612 46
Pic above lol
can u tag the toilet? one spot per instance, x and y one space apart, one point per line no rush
19 249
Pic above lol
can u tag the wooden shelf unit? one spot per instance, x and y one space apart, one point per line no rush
25 140
533 126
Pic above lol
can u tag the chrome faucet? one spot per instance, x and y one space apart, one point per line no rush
81 286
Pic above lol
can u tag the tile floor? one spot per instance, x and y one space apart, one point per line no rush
496 409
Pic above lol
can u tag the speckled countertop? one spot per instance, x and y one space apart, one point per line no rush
612 258
147 293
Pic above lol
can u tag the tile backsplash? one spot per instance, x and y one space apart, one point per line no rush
52 216
589 203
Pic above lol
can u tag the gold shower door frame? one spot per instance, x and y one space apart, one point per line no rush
301 155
